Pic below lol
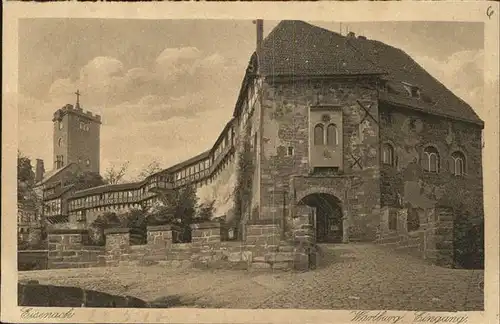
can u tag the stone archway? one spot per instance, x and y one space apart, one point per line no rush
327 217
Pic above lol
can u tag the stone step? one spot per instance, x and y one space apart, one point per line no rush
286 248
259 259
278 257
389 239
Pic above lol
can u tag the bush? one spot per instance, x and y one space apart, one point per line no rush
468 240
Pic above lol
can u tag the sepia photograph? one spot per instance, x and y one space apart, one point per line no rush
252 164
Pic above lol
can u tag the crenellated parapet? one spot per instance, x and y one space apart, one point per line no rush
77 111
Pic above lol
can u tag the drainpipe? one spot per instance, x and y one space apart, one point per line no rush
283 221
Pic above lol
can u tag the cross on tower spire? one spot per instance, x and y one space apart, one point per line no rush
78 94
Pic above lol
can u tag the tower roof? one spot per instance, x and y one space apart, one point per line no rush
297 48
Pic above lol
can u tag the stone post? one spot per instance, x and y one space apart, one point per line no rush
117 244
439 238
203 233
64 246
162 237
206 239
303 225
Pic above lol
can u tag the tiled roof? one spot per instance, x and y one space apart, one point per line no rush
402 68
192 160
48 175
108 188
296 48
59 192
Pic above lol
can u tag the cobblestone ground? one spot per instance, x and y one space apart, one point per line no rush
363 276
353 276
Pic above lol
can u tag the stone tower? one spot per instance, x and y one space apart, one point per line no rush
76 137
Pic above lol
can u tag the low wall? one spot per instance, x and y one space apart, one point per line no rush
432 240
68 249
262 248
34 294
32 260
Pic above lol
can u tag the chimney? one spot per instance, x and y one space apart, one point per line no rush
260 34
39 170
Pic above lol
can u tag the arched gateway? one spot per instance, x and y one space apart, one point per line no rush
326 217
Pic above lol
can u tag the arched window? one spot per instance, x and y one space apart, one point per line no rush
388 154
331 135
318 135
457 166
430 160
60 142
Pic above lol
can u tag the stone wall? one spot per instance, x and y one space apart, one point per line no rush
68 249
406 184
433 240
35 294
262 248
286 108
32 260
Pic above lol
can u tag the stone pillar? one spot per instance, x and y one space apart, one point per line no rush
303 225
64 246
162 237
439 238
203 233
263 232
117 244
345 229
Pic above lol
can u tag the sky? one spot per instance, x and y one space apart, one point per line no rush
166 88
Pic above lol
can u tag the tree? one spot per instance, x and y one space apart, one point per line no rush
24 168
115 175
244 180
150 169
84 180
181 207
468 238
25 178
136 221
205 212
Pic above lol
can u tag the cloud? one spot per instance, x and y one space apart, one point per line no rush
165 141
169 112
462 73
176 73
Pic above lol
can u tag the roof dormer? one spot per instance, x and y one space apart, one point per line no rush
412 90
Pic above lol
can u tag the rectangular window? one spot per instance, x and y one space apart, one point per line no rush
289 151
80 216
393 220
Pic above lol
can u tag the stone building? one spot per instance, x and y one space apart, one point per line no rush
331 133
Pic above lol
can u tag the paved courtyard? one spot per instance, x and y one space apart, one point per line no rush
353 276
